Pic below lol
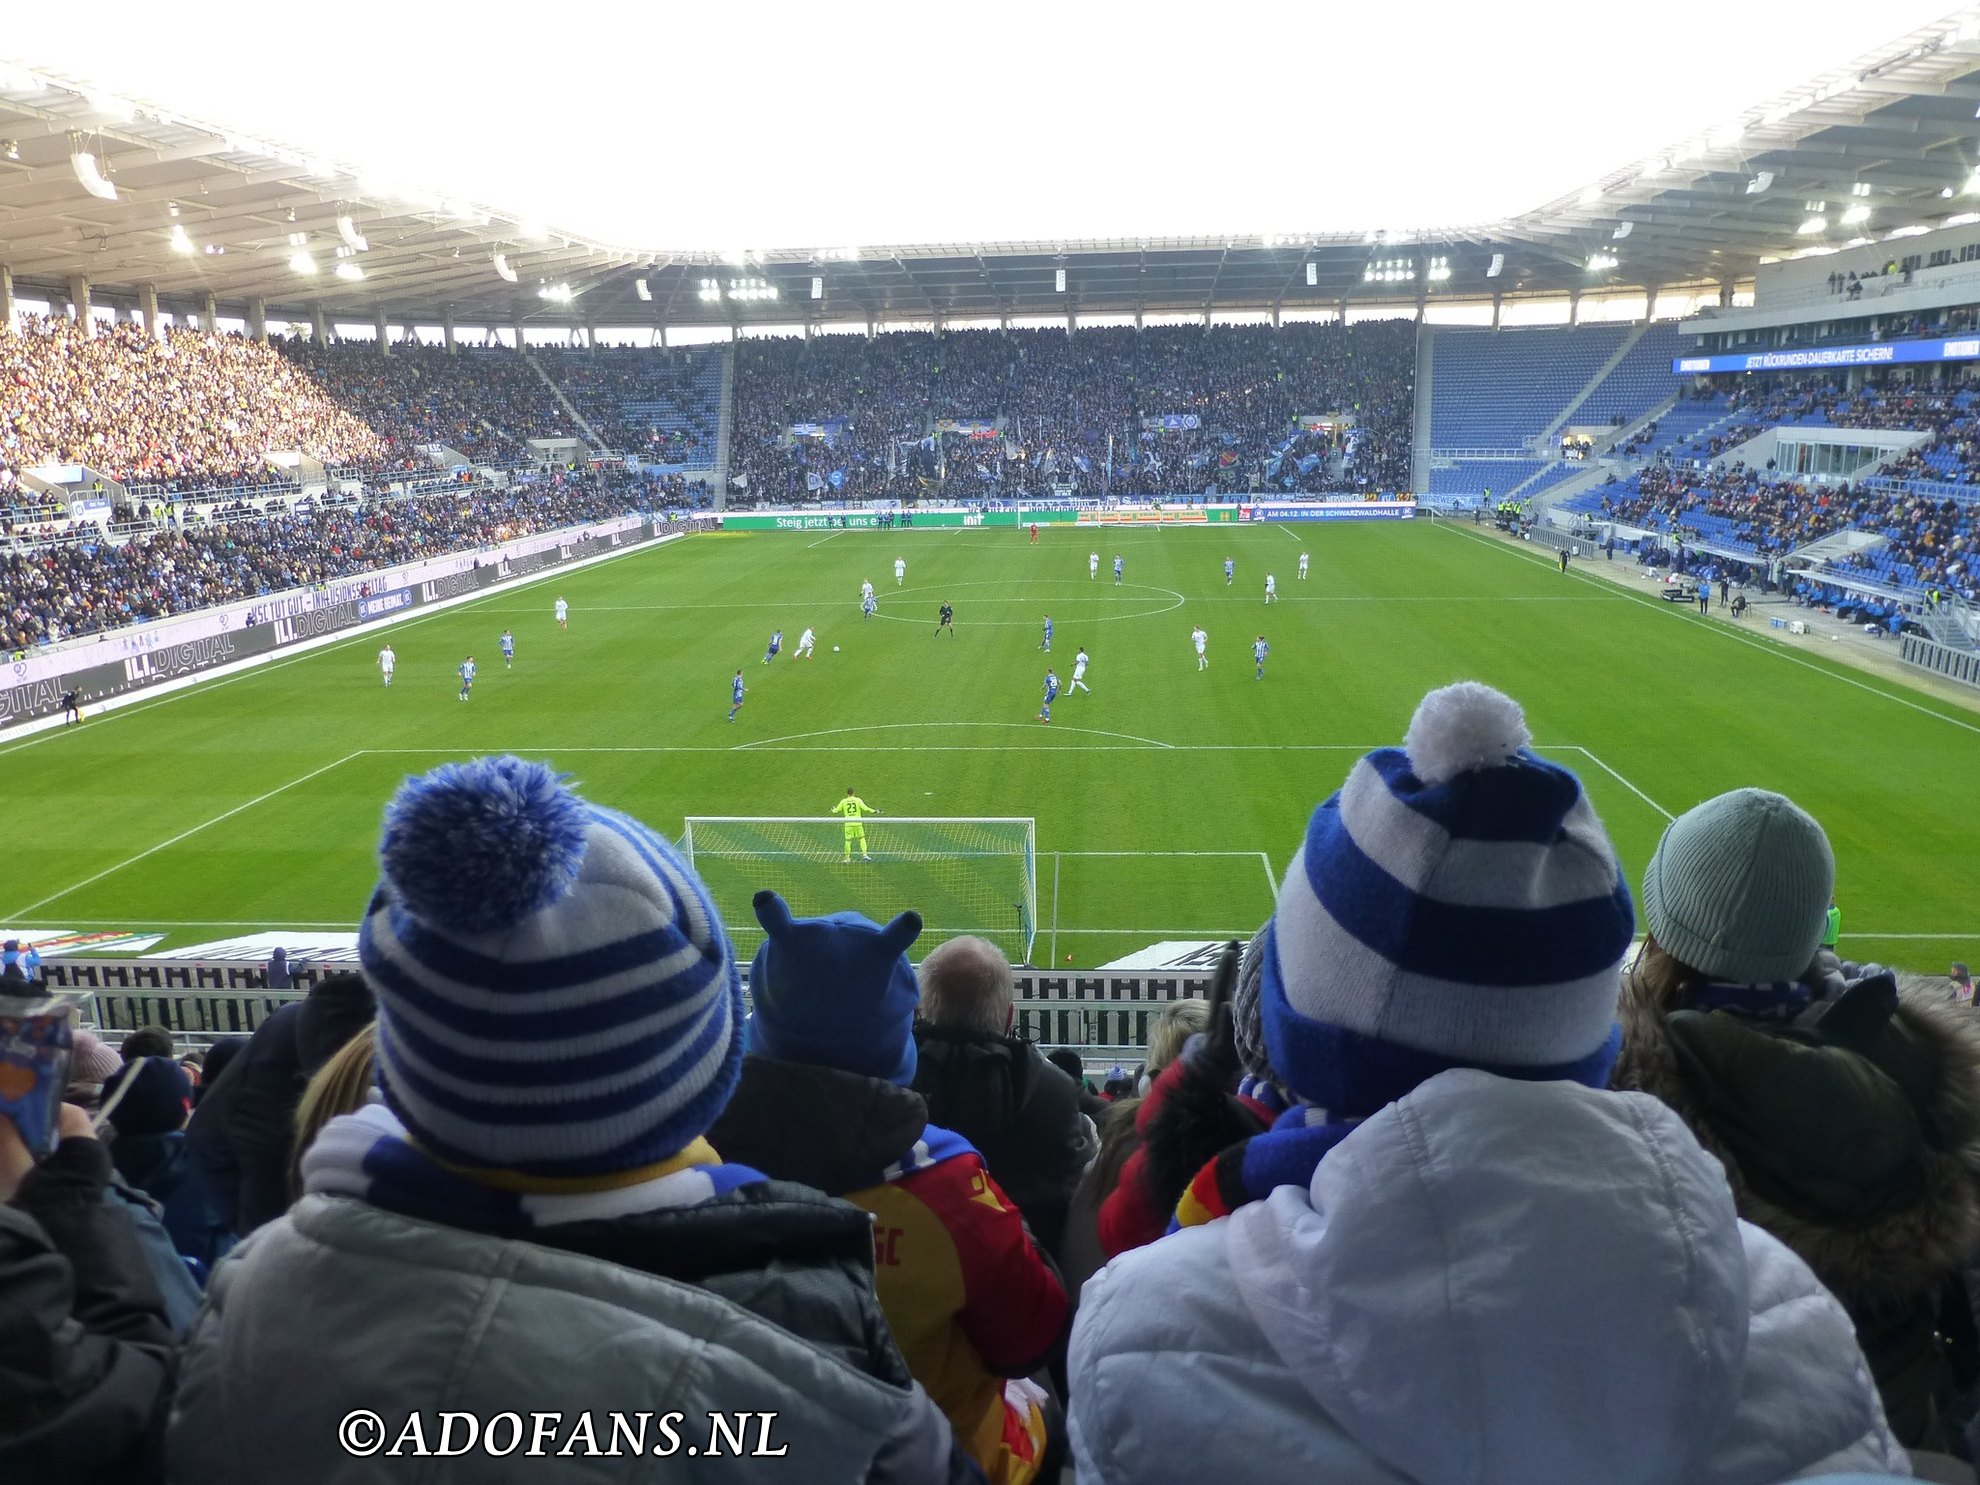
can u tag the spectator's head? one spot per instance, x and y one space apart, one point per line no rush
146 1041
1069 1062
157 1097
1960 974
1248 1010
218 1056
343 1085
966 985
1737 892
1180 1020
836 991
1456 904
92 1062
556 994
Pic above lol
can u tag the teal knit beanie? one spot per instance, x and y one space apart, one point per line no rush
1739 888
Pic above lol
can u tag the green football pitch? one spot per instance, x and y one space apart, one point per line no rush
1166 801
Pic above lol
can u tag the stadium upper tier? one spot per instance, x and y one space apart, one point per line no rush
1160 410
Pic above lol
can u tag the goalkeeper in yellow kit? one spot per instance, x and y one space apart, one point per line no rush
854 809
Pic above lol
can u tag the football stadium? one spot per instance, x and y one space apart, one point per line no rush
964 855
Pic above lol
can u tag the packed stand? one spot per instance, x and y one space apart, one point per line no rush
483 404
184 411
661 405
1041 408
1354 1222
63 590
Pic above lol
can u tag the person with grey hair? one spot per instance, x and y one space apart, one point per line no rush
996 1089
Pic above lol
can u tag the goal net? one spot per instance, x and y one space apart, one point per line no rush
962 876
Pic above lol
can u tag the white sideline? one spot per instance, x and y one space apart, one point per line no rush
1720 629
184 835
30 733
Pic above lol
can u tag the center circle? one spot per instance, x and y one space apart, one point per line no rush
1176 602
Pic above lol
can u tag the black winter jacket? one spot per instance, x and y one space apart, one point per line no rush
85 1352
1020 1112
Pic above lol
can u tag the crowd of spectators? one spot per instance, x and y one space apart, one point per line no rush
482 403
182 411
1048 408
661 405
1328 1241
60 590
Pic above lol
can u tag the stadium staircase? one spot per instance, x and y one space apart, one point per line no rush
596 444
724 426
1550 436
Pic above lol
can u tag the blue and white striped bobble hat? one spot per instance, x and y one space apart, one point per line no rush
1456 904
556 995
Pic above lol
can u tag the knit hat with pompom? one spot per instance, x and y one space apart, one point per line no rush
1456 904
556 995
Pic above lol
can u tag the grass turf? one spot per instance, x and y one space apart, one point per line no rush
1165 801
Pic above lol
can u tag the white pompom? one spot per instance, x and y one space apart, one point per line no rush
1463 727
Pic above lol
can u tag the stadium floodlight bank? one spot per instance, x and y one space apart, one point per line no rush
975 876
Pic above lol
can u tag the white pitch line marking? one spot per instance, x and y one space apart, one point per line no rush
1147 742
1724 630
1271 882
183 835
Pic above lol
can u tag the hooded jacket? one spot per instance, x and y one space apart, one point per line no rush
1490 1282
1022 1114
758 1301
1866 1166
967 1293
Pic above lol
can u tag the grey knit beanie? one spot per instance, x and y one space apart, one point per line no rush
1247 1013
1739 888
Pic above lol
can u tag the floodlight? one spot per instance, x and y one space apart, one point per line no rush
1759 183
1812 226
1964 219
353 239
178 241
301 263
1312 275
640 288
1059 281
1861 188
349 271
817 287
1498 265
11 148
298 239
1440 270
1857 213
1602 262
1623 229
557 293
502 269
89 175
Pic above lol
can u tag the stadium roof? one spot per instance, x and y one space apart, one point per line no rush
1889 141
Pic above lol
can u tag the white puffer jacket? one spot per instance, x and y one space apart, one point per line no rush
1490 1282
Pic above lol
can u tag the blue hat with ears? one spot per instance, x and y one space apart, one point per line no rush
836 991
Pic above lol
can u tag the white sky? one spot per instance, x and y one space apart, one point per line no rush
656 126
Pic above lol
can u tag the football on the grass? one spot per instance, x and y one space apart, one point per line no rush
835 649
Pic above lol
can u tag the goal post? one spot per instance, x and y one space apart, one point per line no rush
963 876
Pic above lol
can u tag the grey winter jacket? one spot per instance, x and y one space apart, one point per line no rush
342 1308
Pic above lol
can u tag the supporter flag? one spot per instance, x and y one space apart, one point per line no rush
813 482
837 479
1085 464
1227 458
1310 463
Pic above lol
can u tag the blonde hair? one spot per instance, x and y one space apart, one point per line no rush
1176 1025
1656 979
341 1086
